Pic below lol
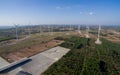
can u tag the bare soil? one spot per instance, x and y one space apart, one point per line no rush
30 51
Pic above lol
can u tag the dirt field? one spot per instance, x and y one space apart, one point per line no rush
114 38
30 51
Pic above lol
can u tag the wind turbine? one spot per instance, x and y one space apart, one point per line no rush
79 29
70 27
98 39
16 28
40 29
51 29
87 32
68 30
29 28
48 27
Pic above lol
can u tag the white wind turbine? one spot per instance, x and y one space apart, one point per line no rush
29 30
40 29
51 28
68 30
79 29
16 29
98 39
48 26
87 32
70 27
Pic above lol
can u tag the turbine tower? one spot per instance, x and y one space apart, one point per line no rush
70 27
29 28
79 29
40 28
68 30
51 28
98 39
48 26
16 28
87 32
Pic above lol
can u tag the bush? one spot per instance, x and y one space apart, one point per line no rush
87 58
7 38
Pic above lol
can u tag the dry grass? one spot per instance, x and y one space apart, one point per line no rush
30 51
35 39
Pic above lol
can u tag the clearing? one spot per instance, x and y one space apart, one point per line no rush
30 51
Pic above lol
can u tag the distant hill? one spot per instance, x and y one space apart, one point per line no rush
5 27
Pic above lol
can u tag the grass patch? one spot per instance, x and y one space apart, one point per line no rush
7 38
87 58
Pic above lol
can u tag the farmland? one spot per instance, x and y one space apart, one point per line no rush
87 58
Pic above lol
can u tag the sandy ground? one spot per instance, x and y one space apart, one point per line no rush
30 51
114 38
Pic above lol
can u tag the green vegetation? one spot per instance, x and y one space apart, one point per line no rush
93 32
6 38
96 33
111 33
87 58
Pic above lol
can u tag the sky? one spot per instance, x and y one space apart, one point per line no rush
24 12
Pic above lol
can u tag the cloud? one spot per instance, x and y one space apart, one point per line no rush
91 13
81 12
58 7
68 7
